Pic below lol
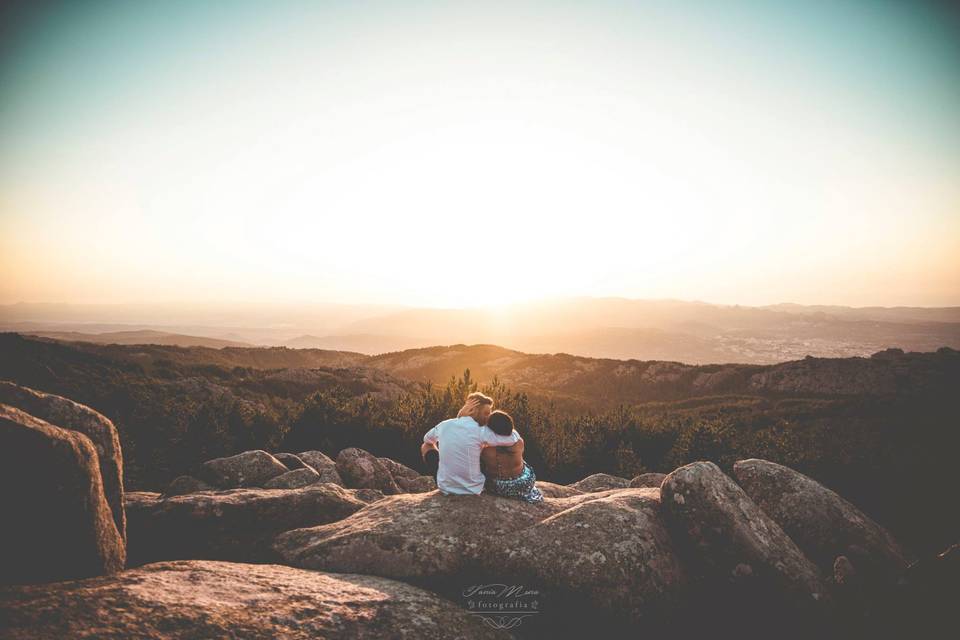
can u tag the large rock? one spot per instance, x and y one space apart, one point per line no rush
322 464
182 485
399 470
731 538
237 524
648 480
551 490
67 414
203 599
362 470
409 480
291 461
57 523
823 524
420 484
247 469
606 553
366 495
293 479
600 482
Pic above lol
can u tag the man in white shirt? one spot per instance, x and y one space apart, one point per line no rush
460 441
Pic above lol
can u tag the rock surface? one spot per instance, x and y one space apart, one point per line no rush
551 490
398 470
362 470
600 482
409 480
182 485
57 523
823 524
293 479
734 540
247 469
420 484
366 495
607 552
291 461
204 599
237 524
648 480
322 464
67 414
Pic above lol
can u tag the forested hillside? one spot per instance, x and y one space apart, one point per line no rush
881 430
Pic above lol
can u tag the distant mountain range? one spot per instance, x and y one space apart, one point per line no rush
143 336
682 331
576 380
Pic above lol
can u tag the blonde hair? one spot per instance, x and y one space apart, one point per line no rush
480 397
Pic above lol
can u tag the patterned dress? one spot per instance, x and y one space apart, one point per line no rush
523 487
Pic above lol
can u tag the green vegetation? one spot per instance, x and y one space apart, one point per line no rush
890 454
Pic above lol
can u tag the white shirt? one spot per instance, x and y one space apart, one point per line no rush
460 441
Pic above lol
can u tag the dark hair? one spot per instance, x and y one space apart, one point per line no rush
501 423
481 397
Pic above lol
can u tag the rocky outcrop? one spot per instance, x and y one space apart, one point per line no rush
361 470
290 461
600 482
734 541
647 480
409 480
237 524
823 524
289 471
247 469
202 599
322 464
366 495
293 479
182 485
551 490
57 522
68 414
608 552
398 470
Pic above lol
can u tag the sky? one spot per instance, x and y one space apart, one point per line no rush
467 153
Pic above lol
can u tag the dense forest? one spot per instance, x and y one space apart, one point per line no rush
890 453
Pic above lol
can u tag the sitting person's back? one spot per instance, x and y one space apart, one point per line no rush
461 441
502 462
507 473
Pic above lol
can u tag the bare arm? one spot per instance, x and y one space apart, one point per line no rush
430 440
489 438
431 437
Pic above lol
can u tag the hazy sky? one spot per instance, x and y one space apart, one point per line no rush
733 152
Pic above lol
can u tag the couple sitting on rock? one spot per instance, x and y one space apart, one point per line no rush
480 450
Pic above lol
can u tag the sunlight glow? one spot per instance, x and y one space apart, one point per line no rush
407 157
